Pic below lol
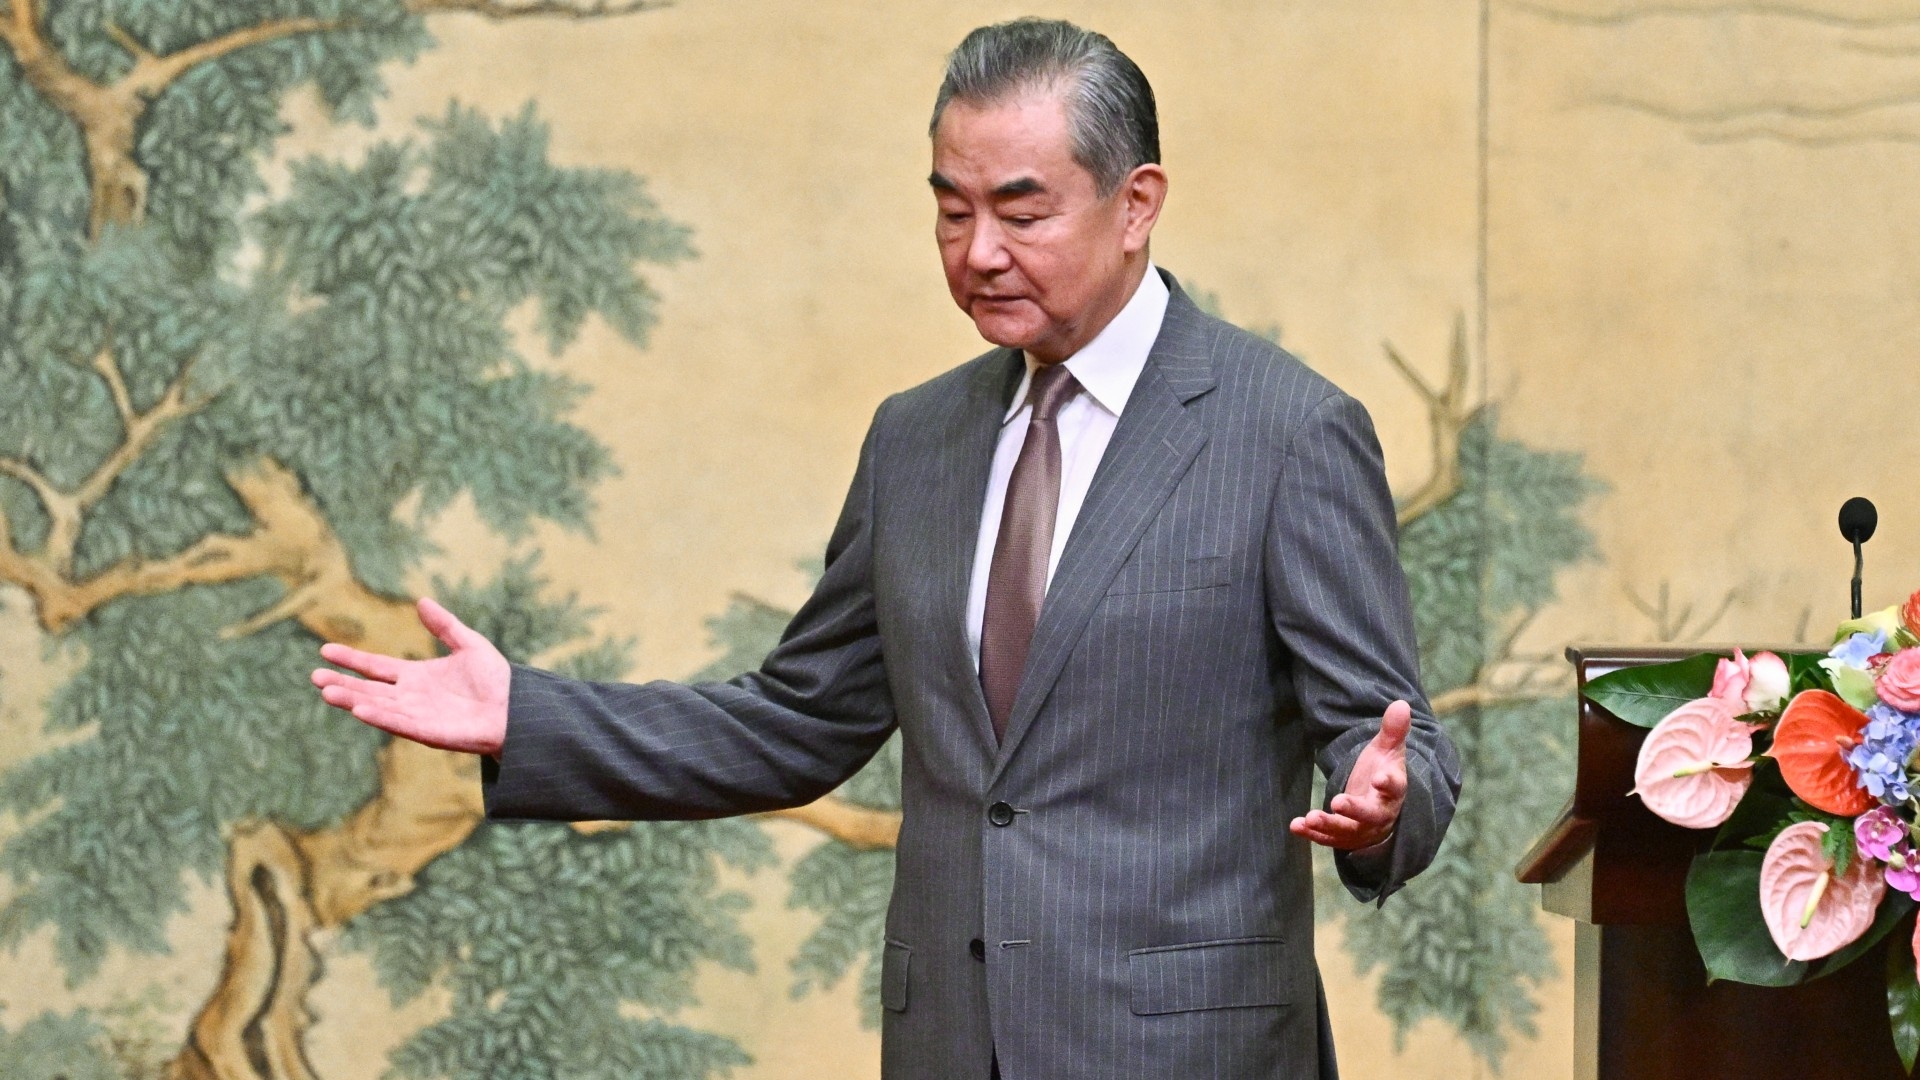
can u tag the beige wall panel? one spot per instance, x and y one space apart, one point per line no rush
1702 236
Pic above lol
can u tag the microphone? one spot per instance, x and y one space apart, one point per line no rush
1858 519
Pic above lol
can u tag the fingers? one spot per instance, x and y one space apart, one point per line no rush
1372 807
1390 784
372 665
1337 831
452 633
369 702
345 691
1394 725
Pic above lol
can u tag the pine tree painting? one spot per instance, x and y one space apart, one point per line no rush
230 414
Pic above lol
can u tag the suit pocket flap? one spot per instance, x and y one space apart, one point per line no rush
893 976
1229 974
1170 575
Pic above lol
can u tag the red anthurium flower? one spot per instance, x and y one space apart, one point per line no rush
1910 612
1810 742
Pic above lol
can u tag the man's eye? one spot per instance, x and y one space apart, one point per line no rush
955 216
1022 219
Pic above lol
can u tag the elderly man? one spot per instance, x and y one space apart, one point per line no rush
1118 582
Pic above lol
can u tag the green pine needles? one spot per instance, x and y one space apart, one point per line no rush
232 414
52 1046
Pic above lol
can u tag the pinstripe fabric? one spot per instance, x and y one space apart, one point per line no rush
1228 608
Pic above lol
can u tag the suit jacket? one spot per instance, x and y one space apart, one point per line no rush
1112 891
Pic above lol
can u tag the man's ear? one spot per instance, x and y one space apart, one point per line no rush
1144 192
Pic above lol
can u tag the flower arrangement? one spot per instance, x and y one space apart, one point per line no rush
1806 768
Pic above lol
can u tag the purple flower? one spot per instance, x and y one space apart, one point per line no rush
1877 831
1860 648
1905 878
1880 762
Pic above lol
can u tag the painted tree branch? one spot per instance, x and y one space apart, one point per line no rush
151 74
1670 625
862 827
1449 411
66 510
43 488
109 114
286 882
519 9
1485 693
264 867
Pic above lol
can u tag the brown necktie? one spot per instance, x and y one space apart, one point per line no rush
1017 578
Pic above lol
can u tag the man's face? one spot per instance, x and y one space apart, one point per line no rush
1032 251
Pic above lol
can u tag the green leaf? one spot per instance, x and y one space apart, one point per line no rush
1645 695
1805 672
1837 844
1903 1005
1723 905
1762 812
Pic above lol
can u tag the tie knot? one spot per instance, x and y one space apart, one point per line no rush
1053 386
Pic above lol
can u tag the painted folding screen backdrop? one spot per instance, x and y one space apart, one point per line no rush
573 315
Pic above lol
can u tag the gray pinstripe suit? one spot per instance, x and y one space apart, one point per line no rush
1228 607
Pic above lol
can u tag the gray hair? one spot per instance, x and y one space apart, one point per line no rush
1110 111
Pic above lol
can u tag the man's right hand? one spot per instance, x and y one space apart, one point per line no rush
455 702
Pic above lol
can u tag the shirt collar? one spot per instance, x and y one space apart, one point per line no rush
1109 366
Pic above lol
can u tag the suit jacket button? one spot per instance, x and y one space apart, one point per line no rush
979 949
1000 814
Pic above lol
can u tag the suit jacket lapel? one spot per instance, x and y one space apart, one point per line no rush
1151 449
954 526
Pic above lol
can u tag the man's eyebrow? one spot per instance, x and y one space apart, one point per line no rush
1026 185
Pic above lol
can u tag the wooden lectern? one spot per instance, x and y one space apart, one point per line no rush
1643 1009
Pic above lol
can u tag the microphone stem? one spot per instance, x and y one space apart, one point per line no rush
1859 562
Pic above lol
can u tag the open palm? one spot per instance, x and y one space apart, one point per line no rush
454 702
1365 813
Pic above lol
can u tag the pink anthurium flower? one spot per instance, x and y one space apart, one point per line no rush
1694 766
1811 911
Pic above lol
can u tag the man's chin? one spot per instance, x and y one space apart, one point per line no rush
1006 333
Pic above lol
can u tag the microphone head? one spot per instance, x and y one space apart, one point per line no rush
1858 519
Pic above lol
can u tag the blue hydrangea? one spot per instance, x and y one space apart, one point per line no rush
1858 649
1880 762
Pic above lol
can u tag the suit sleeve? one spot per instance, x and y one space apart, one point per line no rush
1339 602
817 709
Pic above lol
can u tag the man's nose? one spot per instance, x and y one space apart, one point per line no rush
987 247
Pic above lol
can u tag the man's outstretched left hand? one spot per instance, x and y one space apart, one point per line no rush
1364 814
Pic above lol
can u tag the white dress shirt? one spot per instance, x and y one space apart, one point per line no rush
1107 368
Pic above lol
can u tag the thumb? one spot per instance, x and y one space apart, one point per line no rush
1394 725
453 633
